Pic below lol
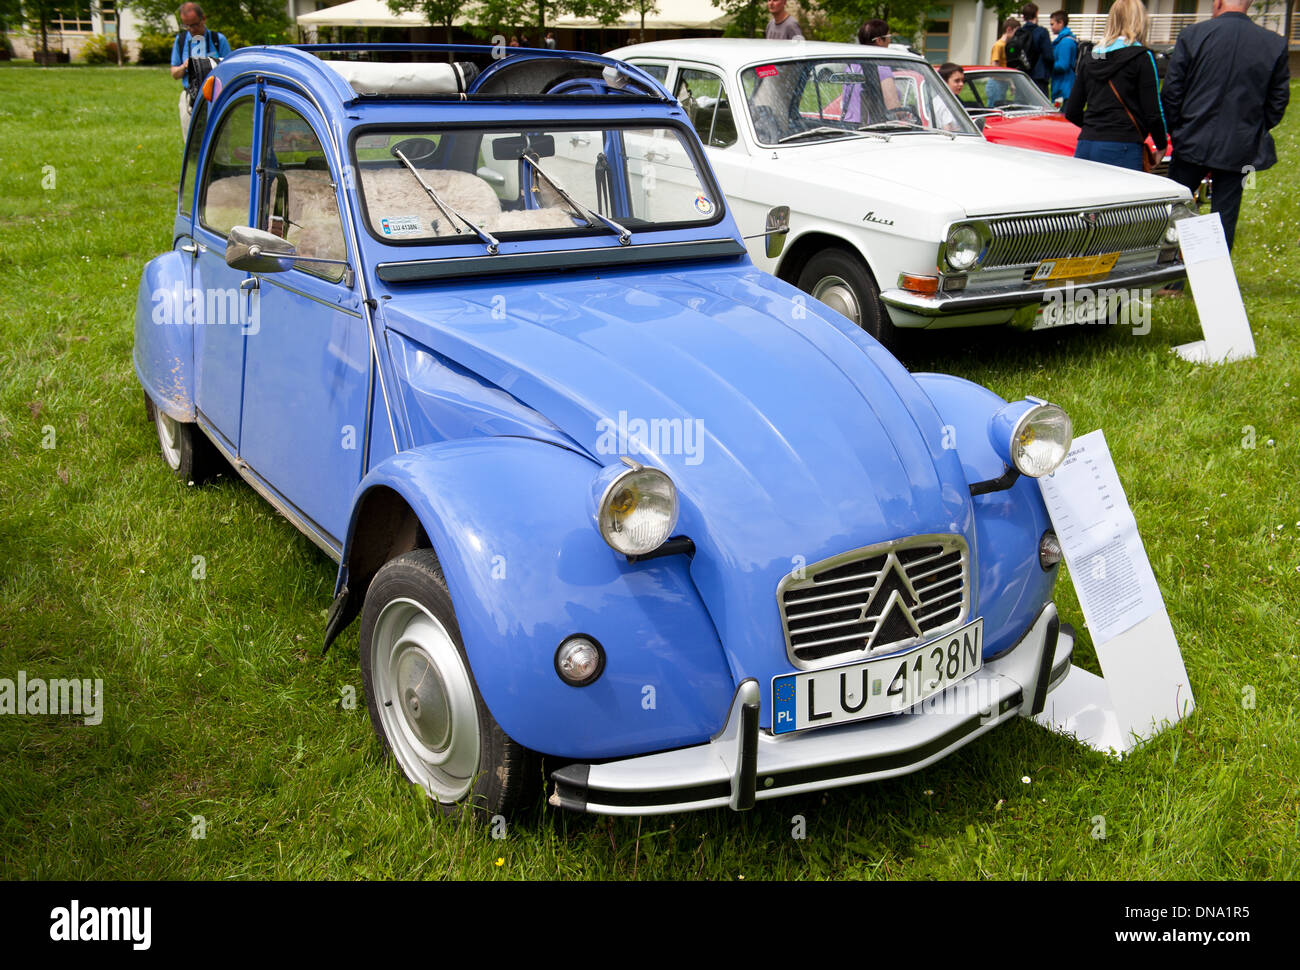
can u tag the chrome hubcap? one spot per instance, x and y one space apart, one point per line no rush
168 438
837 294
425 700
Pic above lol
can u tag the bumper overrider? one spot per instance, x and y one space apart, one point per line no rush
1017 296
742 763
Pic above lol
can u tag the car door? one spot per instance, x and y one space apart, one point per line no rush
709 102
220 294
307 360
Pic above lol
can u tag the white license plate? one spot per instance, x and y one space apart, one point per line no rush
1061 314
872 688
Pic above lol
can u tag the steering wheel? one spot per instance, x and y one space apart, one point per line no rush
416 150
904 114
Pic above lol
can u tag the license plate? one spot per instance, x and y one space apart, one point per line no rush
1062 314
1076 267
872 688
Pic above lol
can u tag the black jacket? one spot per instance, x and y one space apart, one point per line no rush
1092 104
1225 88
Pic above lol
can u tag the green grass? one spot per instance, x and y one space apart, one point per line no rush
218 704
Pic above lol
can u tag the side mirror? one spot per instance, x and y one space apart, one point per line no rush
255 251
778 227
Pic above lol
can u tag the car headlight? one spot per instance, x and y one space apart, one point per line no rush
1032 436
962 250
1177 212
636 507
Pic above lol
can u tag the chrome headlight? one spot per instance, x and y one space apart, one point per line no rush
1177 212
636 508
963 247
1032 436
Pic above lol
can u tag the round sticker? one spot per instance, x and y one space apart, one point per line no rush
703 205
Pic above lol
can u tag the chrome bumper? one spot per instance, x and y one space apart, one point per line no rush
1015 297
742 763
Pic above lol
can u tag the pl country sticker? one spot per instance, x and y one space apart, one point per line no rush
703 205
400 226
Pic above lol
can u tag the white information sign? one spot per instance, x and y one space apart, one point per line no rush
1144 684
1218 298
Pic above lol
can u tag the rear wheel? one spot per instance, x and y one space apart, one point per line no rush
423 701
840 280
185 449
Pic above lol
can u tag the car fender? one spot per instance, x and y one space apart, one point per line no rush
164 339
1009 523
511 523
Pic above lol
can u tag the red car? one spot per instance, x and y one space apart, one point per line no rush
1011 110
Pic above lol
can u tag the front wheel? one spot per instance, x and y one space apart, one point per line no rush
841 281
423 701
185 449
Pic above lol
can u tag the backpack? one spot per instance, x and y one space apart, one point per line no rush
1019 48
1083 53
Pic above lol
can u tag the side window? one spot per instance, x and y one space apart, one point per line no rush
657 71
298 202
704 98
227 181
190 167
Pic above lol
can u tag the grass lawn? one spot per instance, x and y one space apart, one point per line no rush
218 705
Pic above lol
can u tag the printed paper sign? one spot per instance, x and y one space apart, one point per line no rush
1218 298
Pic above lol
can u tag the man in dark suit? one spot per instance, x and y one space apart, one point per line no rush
1225 88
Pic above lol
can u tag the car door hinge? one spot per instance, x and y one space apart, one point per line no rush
372 303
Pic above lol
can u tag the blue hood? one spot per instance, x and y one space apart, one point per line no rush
797 437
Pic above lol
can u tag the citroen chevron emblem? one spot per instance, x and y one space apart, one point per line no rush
892 597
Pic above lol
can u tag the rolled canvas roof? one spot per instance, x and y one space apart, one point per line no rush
672 14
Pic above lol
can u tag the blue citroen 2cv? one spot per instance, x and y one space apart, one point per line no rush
485 329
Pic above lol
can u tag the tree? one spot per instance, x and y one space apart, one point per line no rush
439 13
244 22
39 14
644 8
748 17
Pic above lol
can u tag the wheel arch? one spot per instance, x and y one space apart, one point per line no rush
799 251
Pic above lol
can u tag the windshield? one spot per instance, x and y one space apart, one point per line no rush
461 184
811 100
1003 89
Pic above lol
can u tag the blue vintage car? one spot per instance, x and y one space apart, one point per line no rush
485 330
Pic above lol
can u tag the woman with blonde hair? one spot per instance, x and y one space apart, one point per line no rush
1116 96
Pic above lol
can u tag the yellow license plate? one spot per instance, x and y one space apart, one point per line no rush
1076 267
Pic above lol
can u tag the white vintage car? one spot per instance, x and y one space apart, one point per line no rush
902 215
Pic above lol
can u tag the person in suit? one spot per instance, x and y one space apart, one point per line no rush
1226 86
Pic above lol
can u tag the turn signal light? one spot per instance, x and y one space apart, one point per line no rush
925 285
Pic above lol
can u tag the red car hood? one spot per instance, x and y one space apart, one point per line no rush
1044 133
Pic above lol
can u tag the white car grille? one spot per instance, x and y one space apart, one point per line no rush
875 600
1025 240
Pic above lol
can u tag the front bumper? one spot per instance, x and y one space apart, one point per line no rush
1022 295
743 763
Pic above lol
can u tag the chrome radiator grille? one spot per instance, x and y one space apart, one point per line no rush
1021 240
875 600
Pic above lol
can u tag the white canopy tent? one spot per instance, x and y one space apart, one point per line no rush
671 15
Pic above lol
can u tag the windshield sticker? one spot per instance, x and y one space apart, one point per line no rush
401 226
767 70
703 206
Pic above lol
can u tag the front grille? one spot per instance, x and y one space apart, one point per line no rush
875 600
1024 240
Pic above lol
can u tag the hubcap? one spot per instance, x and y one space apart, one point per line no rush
168 438
837 294
425 700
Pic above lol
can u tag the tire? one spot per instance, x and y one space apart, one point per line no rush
840 280
185 449
422 698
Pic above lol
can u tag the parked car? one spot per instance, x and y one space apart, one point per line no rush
1010 109
896 220
598 487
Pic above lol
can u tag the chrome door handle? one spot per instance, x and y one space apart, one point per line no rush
249 284
191 249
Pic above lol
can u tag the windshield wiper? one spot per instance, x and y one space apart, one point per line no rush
624 234
819 130
493 246
906 126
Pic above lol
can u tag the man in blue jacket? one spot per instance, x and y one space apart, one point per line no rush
1065 51
1030 48
1226 86
194 40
